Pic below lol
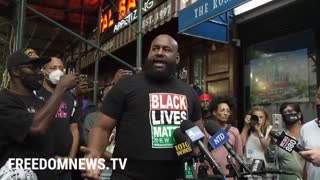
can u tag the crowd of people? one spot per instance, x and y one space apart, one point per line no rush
135 119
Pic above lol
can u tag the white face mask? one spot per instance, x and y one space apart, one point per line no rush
55 75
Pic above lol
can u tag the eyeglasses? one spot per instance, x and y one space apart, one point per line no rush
228 111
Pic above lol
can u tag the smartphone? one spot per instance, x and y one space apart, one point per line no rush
277 122
83 77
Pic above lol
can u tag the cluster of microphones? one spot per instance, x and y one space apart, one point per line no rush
189 136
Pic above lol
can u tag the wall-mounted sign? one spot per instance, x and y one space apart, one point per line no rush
121 13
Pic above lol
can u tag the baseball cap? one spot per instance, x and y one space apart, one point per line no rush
25 56
204 97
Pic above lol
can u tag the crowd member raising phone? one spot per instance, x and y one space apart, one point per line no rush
255 135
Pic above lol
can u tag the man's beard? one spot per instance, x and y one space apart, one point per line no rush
153 72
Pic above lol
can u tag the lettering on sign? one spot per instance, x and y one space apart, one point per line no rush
157 16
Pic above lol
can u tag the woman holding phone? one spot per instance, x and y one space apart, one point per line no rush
293 119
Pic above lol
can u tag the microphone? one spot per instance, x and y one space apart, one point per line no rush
220 137
183 149
195 135
258 168
287 142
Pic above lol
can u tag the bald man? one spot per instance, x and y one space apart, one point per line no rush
146 108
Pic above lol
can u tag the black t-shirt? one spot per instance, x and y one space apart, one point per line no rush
147 113
16 114
61 124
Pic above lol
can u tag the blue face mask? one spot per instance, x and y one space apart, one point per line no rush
290 119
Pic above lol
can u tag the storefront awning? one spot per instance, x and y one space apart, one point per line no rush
158 16
208 19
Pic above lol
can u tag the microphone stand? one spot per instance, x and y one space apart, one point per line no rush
233 171
202 172
191 162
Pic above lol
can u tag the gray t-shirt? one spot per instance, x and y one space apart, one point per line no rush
310 133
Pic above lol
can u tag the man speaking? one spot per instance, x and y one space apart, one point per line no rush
146 108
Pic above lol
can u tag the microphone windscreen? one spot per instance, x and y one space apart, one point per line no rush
185 125
179 137
211 127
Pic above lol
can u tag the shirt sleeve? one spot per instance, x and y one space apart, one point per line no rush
238 143
15 120
114 102
74 112
196 112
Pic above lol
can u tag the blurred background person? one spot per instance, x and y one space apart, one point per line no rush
205 100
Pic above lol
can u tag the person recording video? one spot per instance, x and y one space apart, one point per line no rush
255 134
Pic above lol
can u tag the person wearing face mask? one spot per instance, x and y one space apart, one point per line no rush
25 120
65 125
293 119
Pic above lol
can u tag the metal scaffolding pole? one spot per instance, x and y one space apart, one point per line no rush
96 64
20 23
139 37
81 38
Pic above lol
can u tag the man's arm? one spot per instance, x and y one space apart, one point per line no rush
100 133
42 119
76 137
312 155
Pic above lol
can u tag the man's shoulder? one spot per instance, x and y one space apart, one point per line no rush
309 124
6 97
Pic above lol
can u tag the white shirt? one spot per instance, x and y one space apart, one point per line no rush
310 133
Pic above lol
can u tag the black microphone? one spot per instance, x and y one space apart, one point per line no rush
183 147
184 150
220 137
195 135
287 142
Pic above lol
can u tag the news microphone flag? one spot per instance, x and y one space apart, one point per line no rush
218 139
194 133
182 147
286 142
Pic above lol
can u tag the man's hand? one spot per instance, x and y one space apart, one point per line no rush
119 75
61 171
90 173
68 81
312 155
82 88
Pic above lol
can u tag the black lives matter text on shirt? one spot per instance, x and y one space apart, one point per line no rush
147 114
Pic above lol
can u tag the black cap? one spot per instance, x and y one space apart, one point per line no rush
25 56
